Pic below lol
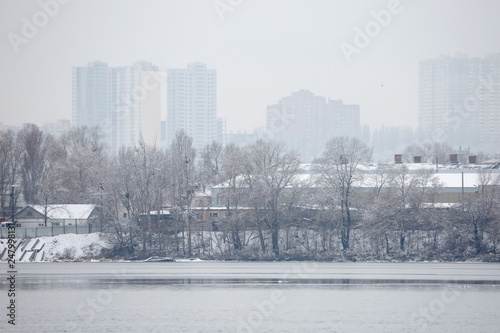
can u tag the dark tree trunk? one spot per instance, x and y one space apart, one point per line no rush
261 238
387 248
275 236
477 239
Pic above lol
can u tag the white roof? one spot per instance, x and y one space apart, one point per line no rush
161 212
64 212
448 179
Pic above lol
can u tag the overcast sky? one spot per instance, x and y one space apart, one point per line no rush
262 50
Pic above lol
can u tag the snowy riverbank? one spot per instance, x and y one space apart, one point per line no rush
61 247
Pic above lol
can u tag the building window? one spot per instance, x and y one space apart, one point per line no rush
214 214
29 213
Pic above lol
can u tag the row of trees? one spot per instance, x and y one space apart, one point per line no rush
273 206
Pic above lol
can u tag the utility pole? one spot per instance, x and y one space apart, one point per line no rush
462 187
46 212
13 204
102 207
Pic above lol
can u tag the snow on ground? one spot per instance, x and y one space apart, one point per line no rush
189 260
73 246
68 246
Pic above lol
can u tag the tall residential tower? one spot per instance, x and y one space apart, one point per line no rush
124 102
459 101
192 103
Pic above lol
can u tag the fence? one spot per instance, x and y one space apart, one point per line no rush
54 231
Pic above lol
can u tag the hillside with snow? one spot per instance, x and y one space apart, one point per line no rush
61 247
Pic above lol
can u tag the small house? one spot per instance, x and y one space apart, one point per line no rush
33 216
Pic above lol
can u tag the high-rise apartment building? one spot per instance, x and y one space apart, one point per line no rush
93 98
138 115
305 122
221 131
192 103
459 101
124 102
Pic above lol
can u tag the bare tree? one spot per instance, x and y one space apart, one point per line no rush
10 154
211 164
338 175
379 212
428 152
120 198
480 209
269 170
33 161
408 191
231 191
148 182
182 183
79 163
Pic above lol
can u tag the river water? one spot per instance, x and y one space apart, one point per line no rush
254 297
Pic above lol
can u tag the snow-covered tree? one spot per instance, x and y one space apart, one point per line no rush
227 172
182 183
269 170
338 175
80 164
33 161
10 163
408 191
481 210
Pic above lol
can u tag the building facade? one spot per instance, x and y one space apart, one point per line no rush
459 101
124 102
58 128
192 103
305 122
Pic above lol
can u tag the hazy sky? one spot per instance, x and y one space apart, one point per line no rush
262 50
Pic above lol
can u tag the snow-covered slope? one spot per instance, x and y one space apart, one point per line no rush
68 246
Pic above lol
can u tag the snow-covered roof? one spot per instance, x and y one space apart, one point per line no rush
448 179
62 212
441 205
158 212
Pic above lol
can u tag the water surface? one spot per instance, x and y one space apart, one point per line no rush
256 297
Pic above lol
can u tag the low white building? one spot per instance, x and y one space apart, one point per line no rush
33 216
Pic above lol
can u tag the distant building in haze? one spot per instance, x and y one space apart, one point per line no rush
57 128
192 103
124 102
138 113
459 101
305 122
221 131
